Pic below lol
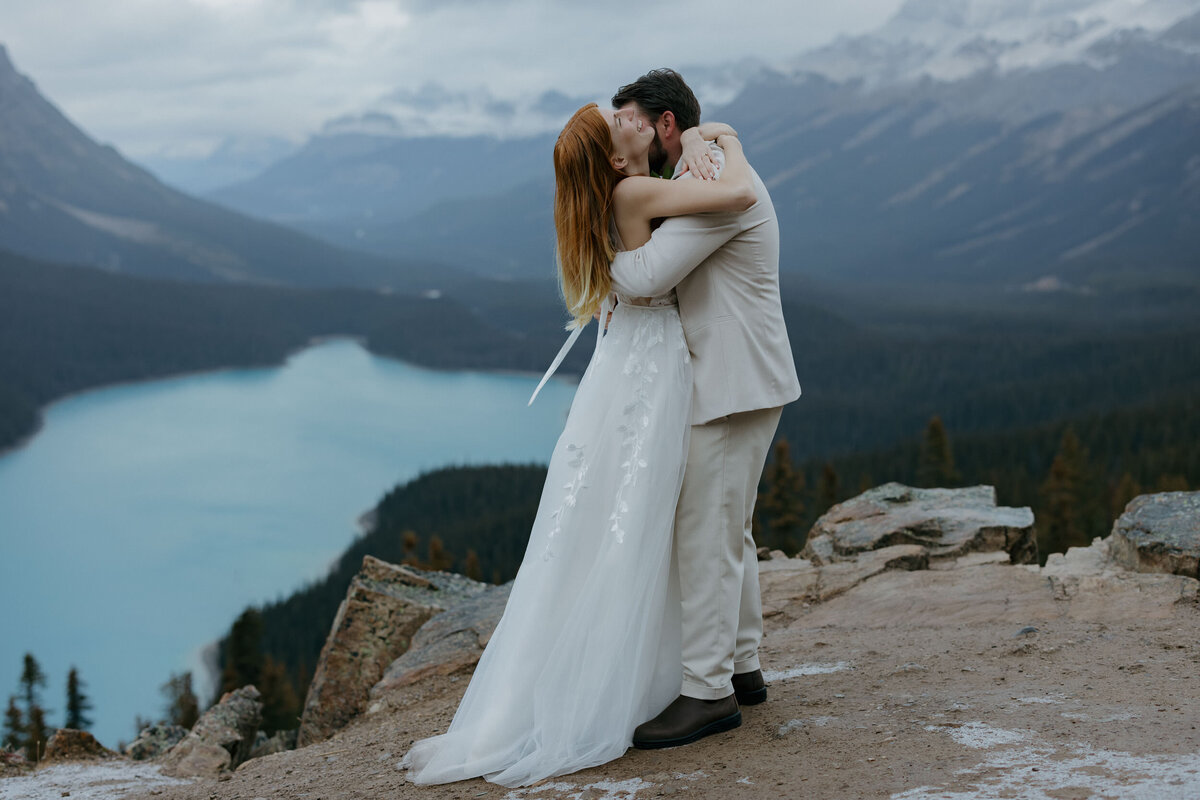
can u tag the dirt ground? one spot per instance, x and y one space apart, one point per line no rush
862 705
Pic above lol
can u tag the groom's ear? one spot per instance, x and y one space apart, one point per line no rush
667 126
618 161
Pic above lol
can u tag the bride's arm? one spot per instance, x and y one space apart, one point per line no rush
651 198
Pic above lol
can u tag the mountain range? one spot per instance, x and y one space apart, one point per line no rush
1045 144
66 198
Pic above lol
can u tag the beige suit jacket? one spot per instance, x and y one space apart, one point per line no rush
725 269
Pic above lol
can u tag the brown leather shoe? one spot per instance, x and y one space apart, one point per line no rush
750 688
686 720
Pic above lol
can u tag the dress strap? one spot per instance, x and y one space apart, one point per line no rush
605 308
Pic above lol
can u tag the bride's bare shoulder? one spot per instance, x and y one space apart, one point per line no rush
635 191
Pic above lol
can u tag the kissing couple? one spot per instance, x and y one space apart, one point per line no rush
635 617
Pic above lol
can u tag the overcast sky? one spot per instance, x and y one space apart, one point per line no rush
175 77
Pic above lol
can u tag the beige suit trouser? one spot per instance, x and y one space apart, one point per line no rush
715 552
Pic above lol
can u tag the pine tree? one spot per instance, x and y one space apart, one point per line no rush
409 542
78 703
281 706
827 488
781 506
471 567
37 733
36 729
14 726
1171 483
1067 503
32 679
243 653
1126 489
182 706
439 558
935 464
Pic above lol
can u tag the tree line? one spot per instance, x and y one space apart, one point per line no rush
1077 476
26 719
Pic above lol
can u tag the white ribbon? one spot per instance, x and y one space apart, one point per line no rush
605 308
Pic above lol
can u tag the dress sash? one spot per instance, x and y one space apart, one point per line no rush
577 329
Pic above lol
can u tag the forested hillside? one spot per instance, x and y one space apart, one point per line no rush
64 329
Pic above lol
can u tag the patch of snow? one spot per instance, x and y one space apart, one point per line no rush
980 735
600 790
770 675
1040 771
789 726
110 780
1053 700
1082 716
691 776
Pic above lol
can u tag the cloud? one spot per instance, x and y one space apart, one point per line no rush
159 78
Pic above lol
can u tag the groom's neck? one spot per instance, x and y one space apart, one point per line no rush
674 150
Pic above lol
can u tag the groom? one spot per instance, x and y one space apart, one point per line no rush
725 269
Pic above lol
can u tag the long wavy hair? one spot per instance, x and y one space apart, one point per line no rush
584 180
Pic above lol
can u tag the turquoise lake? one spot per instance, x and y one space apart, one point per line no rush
143 518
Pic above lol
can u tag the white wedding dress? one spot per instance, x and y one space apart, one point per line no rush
588 647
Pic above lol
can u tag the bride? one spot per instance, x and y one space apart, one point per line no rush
588 647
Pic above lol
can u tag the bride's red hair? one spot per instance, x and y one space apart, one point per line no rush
584 180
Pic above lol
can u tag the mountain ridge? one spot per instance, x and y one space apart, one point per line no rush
920 180
65 197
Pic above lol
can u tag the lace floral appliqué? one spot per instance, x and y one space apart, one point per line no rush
572 488
643 369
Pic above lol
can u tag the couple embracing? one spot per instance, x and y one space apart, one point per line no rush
635 616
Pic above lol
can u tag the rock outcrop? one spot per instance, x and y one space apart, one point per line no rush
69 744
450 642
222 738
279 742
1159 533
385 606
948 523
13 763
155 740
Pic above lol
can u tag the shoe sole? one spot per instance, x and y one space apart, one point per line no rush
752 698
719 726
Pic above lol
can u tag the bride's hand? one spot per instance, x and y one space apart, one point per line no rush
697 158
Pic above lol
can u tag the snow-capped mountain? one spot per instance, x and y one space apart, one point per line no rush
1072 165
949 40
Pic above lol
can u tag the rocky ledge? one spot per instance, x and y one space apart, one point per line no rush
1160 533
947 523
916 651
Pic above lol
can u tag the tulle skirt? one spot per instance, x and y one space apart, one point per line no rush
588 647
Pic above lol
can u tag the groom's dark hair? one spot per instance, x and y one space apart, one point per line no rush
662 90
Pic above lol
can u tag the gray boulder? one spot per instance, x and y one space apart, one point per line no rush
1159 533
450 642
221 739
279 742
155 740
949 523
385 606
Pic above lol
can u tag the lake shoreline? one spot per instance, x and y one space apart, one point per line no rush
40 423
198 497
